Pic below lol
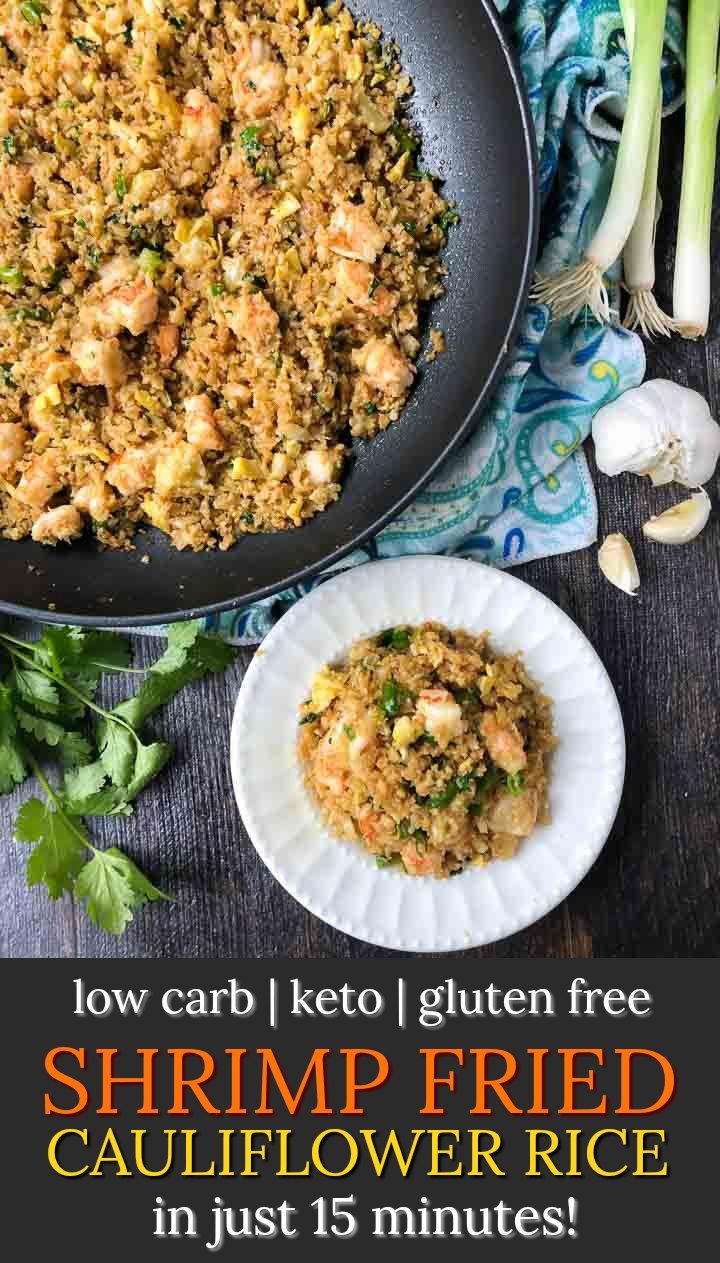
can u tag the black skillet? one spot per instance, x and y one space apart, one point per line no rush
471 110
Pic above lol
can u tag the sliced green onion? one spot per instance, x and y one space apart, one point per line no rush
32 11
10 145
30 313
450 217
151 262
572 290
120 185
445 797
6 377
514 782
691 293
393 696
12 277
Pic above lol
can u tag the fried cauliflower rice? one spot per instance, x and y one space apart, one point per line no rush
429 748
215 248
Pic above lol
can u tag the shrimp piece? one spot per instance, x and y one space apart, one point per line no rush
57 524
101 361
200 428
167 340
22 184
515 814
12 445
219 199
251 317
505 745
258 82
363 743
132 307
201 120
420 863
357 282
372 825
40 482
441 715
330 767
95 498
74 72
116 272
354 234
134 471
385 367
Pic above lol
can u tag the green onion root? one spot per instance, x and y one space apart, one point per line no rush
583 286
691 296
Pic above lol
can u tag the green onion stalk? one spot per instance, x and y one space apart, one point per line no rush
691 296
583 286
643 312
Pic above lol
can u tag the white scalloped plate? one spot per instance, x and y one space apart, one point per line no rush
338 881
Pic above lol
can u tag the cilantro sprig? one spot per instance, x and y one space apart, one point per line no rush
49 713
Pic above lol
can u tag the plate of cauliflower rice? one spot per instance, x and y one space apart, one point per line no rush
435 755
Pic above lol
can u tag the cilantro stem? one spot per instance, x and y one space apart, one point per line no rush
97 662
30 661
55 800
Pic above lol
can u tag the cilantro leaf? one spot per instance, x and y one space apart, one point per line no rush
88 794
59 842
80 656
188 657
113 889
12 765
149 761
73 746
117 752
36 689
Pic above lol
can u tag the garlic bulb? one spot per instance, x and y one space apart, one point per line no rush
682 523
617 562
659 429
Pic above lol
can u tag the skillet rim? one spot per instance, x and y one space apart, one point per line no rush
103 621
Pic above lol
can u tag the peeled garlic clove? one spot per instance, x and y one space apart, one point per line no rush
682 523
660 429
617 562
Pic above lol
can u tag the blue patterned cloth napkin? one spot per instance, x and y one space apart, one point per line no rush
520 488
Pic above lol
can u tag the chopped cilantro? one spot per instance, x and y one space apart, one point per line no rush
395 638
406 140
85 45
252 144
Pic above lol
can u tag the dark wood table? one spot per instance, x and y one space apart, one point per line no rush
654 890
